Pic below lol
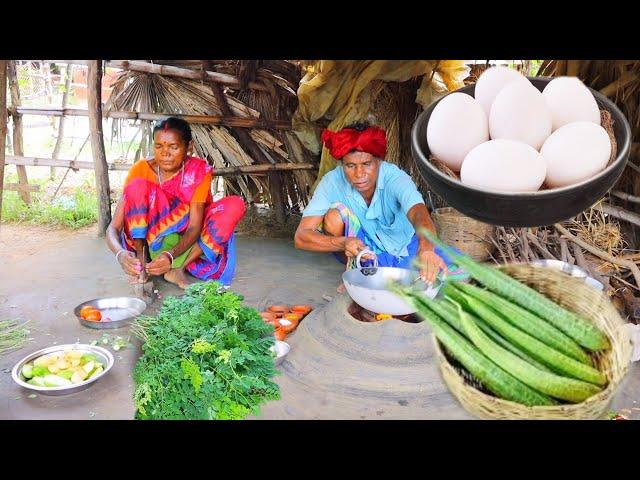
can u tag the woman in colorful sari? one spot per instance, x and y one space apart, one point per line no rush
168 211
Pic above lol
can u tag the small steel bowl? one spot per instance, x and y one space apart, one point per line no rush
280 349
116 311
569 269
105 356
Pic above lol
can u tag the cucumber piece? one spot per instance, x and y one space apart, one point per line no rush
39 371
27 371
56 381
66 374
37 381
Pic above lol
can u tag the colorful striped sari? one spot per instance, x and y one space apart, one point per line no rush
159 213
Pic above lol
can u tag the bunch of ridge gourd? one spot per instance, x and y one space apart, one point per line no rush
513 138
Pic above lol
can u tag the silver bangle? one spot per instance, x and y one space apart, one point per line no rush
171 256
119 252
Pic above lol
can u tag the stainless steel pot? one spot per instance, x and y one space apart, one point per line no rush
368 286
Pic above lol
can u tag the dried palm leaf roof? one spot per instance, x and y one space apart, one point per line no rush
145 92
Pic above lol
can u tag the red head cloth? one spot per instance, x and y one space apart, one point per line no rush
371 140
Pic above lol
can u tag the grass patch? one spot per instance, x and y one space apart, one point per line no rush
71 211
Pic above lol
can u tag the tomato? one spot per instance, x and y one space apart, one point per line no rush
85 310
94 316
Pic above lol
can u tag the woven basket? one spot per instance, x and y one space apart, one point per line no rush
466 234
576 296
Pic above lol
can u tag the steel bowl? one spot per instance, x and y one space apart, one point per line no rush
569 269
281 349
528 209
116 311
369 288
104 355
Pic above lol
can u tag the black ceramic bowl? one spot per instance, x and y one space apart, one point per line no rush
528 209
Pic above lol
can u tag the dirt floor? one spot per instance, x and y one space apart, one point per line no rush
45 273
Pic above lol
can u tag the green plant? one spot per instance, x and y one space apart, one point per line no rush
577 328
555 360
491 375
74 212
205 356
449 313
548 383
13 335
528 322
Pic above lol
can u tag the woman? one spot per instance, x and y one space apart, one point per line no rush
167 210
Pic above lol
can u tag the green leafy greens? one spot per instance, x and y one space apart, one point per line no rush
205 356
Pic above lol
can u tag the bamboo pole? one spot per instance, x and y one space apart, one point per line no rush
249 169
229 121
3 124
228 171
170 71
19 187
12 77
94 102
65 99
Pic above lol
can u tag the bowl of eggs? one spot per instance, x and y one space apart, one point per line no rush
521 151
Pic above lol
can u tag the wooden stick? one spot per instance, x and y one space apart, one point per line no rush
625 282
507 243
227 120
278 167
566 255
602 254
227 171
170 71
618 212
94 102
497 245
19 187
12 78
61 123
633 165
3 124
545 253
625 196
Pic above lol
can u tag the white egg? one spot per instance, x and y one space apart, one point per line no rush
504 165
575 152
570 101
519 112
492 81
457 124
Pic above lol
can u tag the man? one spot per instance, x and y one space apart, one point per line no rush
366 202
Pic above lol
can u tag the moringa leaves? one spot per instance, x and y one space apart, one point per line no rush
205 356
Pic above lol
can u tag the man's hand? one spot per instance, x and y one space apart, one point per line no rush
353 246
430 264
161 265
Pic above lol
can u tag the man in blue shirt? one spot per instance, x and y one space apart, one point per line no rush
366 202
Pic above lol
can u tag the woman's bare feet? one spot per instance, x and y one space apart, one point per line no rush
178 277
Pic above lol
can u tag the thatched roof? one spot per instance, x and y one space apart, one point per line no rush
226 146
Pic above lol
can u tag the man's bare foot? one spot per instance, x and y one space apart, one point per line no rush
341 288
178 277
